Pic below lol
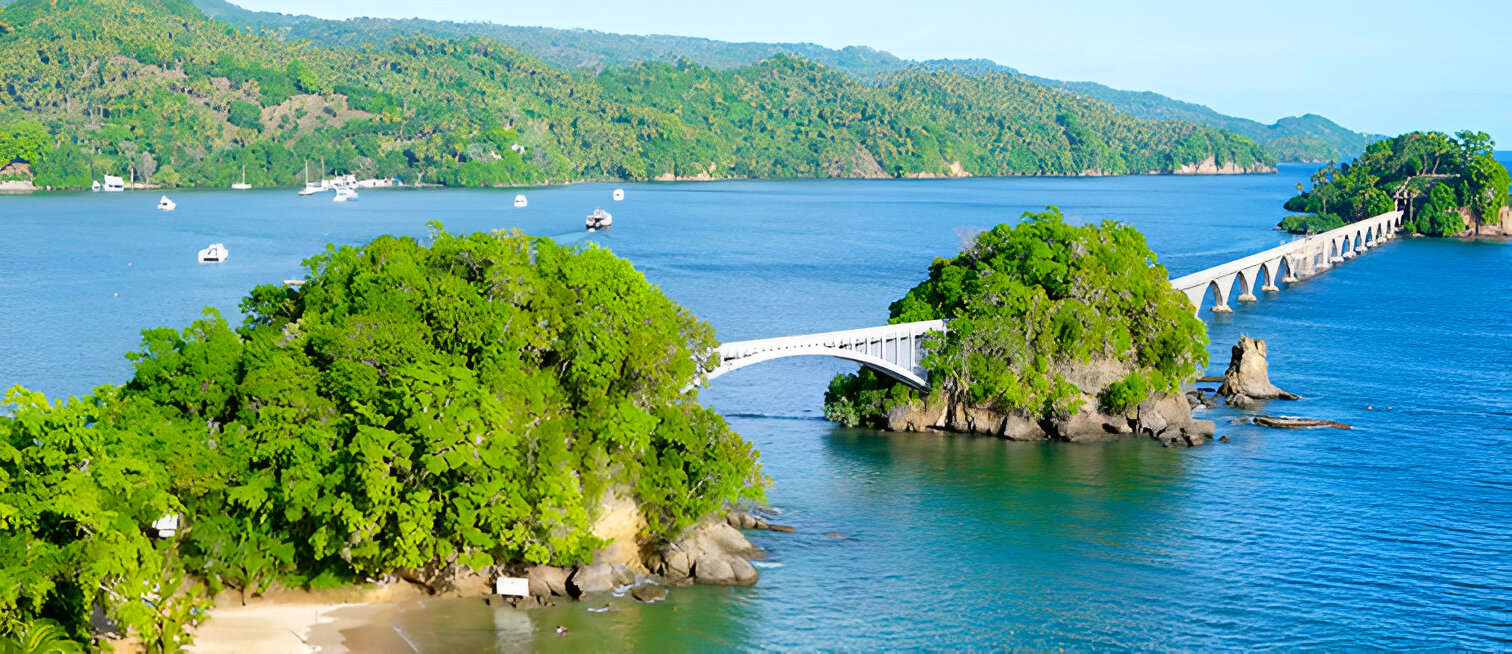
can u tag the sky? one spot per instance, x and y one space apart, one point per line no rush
1384 67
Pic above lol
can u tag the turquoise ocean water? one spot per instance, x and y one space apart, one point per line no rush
1394 534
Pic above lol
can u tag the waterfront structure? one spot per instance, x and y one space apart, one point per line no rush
1288 262
895 350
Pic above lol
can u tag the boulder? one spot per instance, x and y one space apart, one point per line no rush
914 416
1089 424
712 553
592 578
649 593
1248 374
546 580
1017 427
621 575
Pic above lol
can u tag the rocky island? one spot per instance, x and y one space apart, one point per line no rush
1057 332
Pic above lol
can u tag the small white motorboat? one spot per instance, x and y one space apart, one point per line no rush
95 186
215 253
520 202
165 204
599 219
345 194
619 194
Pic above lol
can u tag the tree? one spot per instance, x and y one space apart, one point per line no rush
147 167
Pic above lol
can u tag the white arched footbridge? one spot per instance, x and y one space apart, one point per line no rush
893 350
896 350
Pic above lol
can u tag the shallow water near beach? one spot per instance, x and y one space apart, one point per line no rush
1394 534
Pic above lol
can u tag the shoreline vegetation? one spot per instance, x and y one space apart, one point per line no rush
414 418
154 90
1448 187
1057 332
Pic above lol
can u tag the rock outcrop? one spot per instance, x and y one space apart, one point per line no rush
1248 376
1210 166
712 552
1166 418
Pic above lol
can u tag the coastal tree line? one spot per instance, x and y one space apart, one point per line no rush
116 83
1450 182
466 403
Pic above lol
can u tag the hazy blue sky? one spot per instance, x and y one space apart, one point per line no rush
1384 67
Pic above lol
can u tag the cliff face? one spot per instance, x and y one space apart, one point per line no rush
1166 418
1210 166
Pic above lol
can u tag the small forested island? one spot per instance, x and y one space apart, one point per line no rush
1056 332
153 90
1449 186
441 414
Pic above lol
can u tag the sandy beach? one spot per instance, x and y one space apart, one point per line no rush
297 622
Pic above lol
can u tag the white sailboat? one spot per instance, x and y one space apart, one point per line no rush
242 185
312 189
165 204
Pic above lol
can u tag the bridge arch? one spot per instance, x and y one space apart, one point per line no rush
892 350
877 364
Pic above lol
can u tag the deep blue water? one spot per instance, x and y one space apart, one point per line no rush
1394 534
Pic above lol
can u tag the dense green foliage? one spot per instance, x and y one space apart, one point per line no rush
468 402
1309 137
116 83
1027 301
1304 138
1311 223
1436 173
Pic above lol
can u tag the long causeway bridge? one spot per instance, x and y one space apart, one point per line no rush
895 350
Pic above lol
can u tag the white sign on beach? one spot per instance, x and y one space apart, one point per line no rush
514 586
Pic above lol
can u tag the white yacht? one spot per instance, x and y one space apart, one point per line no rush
165 204
519 201
113 184
619 194
345 194
599 219
215 253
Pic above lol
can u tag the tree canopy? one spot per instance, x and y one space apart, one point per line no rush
111 79
1436 173
464 403
1029 301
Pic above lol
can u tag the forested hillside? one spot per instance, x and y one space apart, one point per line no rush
1300 138
155 89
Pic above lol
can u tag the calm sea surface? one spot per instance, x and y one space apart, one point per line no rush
1397 534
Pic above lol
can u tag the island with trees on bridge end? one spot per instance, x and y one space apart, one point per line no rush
1057 332
1448 186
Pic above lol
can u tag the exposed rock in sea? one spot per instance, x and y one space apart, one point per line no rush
649 593
1248 375
547 580
712 552
1166 418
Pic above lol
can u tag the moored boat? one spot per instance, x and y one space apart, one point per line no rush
619 194
520 202
599 219
165 204
345 194
215 253
113 184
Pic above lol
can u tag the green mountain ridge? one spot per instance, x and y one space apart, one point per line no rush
1302 138
155 89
